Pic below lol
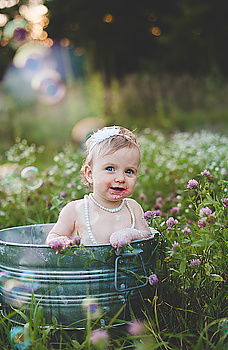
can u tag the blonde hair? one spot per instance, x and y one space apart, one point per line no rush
124 138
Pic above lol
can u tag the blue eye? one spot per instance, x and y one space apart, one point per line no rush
129 171
109 168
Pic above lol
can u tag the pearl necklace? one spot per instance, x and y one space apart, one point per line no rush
88 226
110 210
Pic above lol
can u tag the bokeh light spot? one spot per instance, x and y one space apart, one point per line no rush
196 31
4 41
3 20
65 42
156 31
84 127
108 18
3 4
79 51
48 42
8 3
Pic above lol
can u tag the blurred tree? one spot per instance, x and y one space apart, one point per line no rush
125 36
122 36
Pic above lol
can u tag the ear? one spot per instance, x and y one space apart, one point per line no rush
88 174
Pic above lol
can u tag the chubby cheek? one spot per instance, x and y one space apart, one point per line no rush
100 181
131 186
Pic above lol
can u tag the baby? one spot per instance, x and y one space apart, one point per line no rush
107 214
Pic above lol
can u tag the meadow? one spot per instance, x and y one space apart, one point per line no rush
182 186
160 102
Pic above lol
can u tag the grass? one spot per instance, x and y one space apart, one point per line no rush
186 308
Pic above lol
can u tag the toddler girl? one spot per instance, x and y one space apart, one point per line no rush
107 214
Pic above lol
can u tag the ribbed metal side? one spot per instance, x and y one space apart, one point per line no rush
61 284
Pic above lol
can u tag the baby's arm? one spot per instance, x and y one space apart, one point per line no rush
60 235
127 235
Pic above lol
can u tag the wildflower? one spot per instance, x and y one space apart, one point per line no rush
143 197
175 245
91 307
148 214
225 202
159 202
63 194
99 336
51 181
69 185
135 327
205 212
57 244
186 230
194 262
153 279
120 245
174 210
170 222
201 223
151 213
205 173
192 184
156 212
76 240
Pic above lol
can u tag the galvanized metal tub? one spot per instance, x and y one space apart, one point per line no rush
61 283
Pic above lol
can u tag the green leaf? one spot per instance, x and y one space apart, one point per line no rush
199 243
216 278
75 344
182 267
207 268
185 240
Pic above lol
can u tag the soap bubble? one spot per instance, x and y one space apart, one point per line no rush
51 91
49 85
31 178
17 291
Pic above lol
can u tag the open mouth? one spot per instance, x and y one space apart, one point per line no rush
120 189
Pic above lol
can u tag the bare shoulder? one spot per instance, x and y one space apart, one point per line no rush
70 207
140 223
135 205
79 204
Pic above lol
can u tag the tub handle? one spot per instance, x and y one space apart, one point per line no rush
127 254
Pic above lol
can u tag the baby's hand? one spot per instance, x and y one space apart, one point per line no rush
120 238
60 243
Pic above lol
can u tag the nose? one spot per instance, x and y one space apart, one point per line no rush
120 177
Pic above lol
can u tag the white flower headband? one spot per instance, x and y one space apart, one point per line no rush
103 134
